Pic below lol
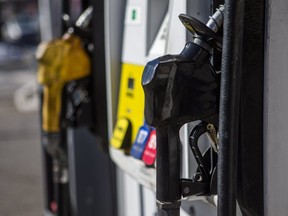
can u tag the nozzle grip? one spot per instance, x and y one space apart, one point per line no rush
168 164
51 107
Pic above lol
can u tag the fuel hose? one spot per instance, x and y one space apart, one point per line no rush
229 107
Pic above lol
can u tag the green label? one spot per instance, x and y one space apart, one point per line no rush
134 14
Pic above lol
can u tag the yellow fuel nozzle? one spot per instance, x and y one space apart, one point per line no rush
60 61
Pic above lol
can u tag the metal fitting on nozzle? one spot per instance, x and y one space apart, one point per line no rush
81 26
85 19
216 20
205 35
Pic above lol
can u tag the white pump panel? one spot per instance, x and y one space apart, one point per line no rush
135 32
176 31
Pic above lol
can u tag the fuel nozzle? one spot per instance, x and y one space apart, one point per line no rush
179 89
62 62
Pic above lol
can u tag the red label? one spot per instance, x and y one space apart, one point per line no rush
54 207
149 154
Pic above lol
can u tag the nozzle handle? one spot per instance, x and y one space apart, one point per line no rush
168 192
51 108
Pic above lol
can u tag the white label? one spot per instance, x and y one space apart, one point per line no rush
152 142
142 136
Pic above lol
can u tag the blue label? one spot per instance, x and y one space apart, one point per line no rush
140 142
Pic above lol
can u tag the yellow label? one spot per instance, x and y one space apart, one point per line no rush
131 100
119 133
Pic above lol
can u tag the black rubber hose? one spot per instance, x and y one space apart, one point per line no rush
229 106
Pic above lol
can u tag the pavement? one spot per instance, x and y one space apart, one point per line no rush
20 153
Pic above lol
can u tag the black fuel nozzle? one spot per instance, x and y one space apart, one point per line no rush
179 89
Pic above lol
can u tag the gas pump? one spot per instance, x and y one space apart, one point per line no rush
131 134
144 36
63 72
180 89
131 103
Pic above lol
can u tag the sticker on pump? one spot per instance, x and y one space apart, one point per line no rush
133 15
149 154
140 142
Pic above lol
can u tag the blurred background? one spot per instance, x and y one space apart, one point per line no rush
20 153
